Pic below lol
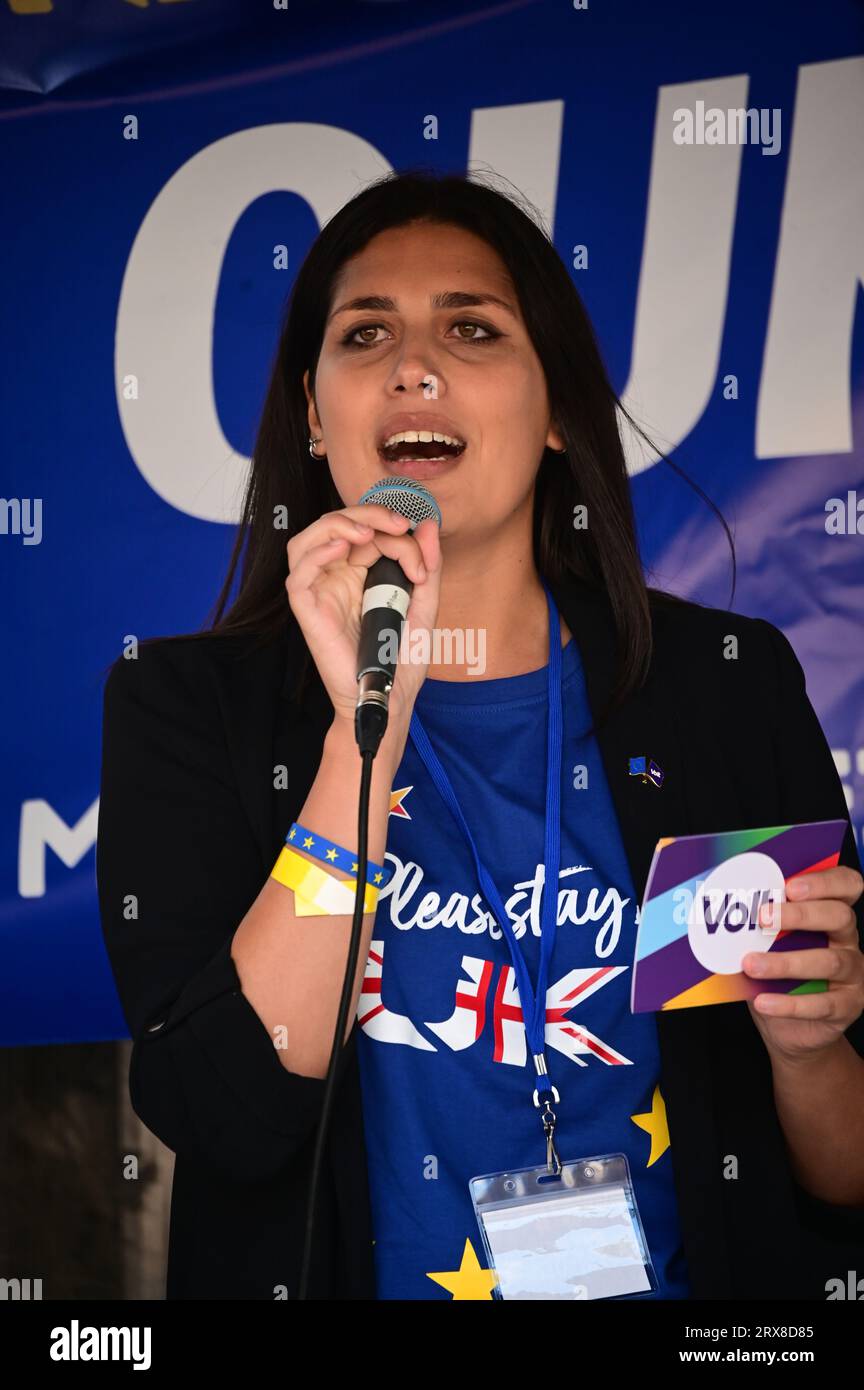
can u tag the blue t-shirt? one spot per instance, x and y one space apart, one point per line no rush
445 1069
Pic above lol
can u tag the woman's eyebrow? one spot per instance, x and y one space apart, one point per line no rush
450 299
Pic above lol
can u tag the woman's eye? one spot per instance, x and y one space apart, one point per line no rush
491 335
351 338
364 328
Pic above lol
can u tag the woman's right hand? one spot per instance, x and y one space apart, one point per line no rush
328 562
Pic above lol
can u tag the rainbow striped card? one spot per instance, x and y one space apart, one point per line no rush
699 915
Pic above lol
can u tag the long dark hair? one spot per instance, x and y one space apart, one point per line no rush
285 480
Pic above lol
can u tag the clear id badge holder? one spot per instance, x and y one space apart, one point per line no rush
576 1234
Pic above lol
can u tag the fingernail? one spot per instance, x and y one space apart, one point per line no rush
766 914
756 966
798 888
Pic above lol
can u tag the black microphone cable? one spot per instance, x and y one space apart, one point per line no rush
344 1004
409 498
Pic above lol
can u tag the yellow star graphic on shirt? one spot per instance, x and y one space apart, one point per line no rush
469 1280
654 1123
396 799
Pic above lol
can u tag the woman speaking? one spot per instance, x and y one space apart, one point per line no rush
434 334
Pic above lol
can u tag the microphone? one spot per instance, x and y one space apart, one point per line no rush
386 595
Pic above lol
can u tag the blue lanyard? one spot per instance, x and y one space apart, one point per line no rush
533 1005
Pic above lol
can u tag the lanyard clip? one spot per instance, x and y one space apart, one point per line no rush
547 1116
540 1068
553 1162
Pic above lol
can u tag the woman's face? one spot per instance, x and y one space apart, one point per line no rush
486 382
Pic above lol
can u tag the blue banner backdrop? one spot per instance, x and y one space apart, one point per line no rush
147 199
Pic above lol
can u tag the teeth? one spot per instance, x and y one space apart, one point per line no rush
421 437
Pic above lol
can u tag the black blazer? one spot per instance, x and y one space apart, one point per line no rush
190 825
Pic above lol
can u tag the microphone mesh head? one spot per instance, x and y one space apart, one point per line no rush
405 496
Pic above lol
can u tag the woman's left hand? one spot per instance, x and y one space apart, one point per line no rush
795 1026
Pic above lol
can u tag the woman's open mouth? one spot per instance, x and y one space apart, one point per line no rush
421 453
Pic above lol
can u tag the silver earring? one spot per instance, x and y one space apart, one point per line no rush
312 443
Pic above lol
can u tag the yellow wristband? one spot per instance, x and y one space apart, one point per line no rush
316 892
